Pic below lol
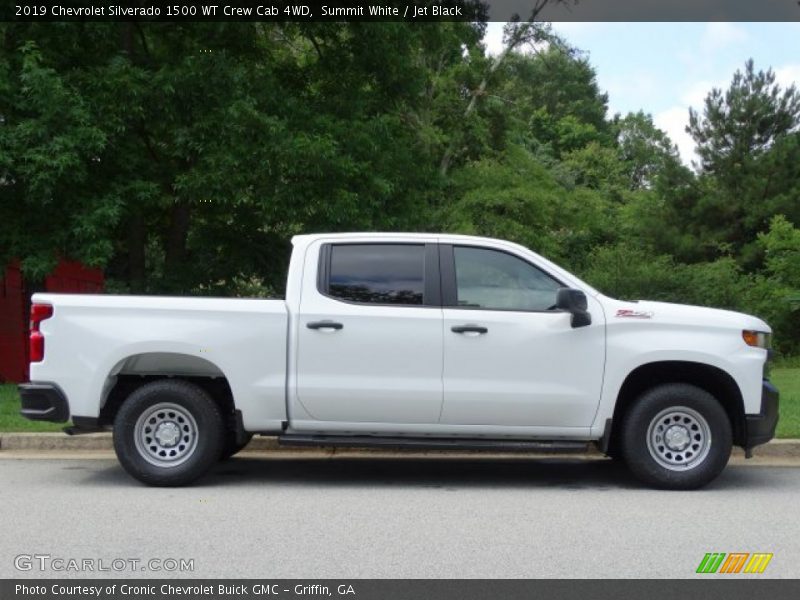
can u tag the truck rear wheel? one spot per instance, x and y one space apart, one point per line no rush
168 433
676 436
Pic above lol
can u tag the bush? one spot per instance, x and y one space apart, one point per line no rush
627 272
631 273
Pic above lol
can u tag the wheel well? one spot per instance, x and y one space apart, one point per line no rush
715 381
217 388
136 370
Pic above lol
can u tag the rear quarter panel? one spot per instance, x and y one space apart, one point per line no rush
90 337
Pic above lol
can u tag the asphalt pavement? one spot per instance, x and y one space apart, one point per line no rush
371 517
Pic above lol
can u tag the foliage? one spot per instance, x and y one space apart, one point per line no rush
181 158
649 157
782 248
776 292
742 123
747 138
632 273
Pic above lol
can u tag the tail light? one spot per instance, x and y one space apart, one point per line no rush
39 312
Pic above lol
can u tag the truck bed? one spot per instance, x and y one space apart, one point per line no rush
90 340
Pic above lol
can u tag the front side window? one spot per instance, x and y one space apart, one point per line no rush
491 279
377 273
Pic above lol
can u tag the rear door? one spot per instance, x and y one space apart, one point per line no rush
370 335
511 358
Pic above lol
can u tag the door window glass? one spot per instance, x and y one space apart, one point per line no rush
491 279
378 273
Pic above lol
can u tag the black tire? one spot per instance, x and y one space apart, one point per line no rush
672 413
231 446
174 408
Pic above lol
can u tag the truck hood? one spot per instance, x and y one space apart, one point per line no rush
679 314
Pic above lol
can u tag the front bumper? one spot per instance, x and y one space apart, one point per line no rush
761 427
43 402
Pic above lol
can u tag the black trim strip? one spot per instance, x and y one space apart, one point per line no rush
453 443
447 264
324 269
432 295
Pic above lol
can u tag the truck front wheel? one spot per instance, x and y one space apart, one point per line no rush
168 433
676 436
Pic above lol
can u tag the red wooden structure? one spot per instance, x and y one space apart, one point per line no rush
67 277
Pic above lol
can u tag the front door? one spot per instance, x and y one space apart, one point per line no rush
511 358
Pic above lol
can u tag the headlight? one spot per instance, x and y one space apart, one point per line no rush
757 339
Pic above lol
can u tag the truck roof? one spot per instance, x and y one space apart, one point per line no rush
378 235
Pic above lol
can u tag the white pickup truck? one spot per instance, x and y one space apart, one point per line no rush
406 340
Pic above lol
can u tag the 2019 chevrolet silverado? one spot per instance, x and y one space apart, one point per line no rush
406 340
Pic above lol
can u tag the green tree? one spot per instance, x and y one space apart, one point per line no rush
649 154
776 292
743 122
747 140
515 196
48 140
182 157
554 99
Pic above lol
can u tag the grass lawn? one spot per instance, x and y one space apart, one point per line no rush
787 379
10 420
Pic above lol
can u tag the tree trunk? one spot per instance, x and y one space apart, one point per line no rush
137 234
136 260
176 240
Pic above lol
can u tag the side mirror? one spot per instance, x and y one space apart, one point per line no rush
574 301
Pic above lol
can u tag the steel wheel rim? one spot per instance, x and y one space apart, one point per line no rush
166 435
679 438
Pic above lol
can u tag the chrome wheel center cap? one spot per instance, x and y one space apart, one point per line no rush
167 434
677 437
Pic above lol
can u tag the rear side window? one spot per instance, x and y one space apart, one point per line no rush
377 273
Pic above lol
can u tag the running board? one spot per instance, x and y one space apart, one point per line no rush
364 441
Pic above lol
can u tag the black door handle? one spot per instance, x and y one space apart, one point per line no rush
324 325
468 329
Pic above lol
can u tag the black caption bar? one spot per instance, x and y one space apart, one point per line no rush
398 589
400 10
